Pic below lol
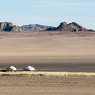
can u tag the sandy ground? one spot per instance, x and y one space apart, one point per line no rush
79 85
47 85
46 47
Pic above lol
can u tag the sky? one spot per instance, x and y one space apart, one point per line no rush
48 12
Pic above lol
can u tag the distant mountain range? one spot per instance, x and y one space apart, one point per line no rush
35 27
68 27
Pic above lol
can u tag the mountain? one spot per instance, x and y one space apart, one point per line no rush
71 27
9 27
35 27
64 26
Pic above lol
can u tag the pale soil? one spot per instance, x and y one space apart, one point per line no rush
47 47
45 85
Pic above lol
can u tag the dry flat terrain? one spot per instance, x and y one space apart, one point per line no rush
45 47
48 48
47 85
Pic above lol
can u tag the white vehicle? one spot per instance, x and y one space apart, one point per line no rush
11 68
29 68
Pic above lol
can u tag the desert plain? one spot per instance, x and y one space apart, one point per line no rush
45 47
48 48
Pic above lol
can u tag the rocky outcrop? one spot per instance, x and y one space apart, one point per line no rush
16 29
9 27
71 27
35 27
5 26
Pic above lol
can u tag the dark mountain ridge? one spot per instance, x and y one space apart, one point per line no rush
70 27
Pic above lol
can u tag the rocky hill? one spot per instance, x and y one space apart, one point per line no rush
70 27
9 27
35 27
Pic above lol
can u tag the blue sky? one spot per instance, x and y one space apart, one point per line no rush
48 12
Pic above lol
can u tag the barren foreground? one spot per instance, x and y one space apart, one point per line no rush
47 85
